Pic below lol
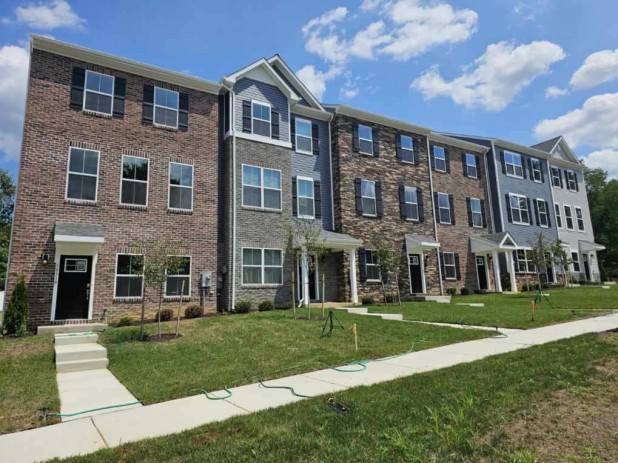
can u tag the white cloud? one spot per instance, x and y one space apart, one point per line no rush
594 124
496 77
598 68
347 93
555 92
606 159
13 81
369 5
322 39
530 10
316 80
365 41
48 15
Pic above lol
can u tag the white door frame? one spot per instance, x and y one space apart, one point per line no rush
299 279
486 265
421 257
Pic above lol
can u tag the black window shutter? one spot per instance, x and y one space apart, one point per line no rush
148 107
183 111
542 172
421 205
561 174
529 210
355 141
447 157
376 141
477 159
357 194
317 198
436 208
457 269
78 81
483 216
417 153
274 117
463 163
293 131
379 206
294 198
398 146
120 91
576 181
315 136
442 269
451 204
402 202
523 167
362 265
470 223
503 162
246 116
548 210
432 159
536 212
530 168
508 208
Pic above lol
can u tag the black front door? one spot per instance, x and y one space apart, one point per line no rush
73 295
482 273
586 267
416 276
549 268
312 280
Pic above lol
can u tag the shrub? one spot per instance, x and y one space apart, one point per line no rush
451 291
193 311
480 291
367 301
167 315
266 306
390 298
125 321
464 291
18 310
284 306
242 306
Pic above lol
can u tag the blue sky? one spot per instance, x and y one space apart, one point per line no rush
524 70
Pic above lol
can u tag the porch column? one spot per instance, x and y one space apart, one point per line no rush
304 265
353 290
510 262
496 261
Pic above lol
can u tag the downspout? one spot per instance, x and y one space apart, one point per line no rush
493 149
433 212
330 170
233 128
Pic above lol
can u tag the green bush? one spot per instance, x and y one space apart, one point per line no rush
125 321
390 298
464 291
367 301
18 310
193 311
266 306
242 306
167 315
451 291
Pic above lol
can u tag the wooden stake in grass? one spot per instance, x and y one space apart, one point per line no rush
532 306
293 295
398 293
182 291
323 296
353 328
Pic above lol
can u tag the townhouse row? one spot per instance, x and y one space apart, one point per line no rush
117 153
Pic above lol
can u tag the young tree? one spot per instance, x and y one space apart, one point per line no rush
386 262
7 200
561 258
18 310
536 255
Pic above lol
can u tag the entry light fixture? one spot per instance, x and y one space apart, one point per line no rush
44 258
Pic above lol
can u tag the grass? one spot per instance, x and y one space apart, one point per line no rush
219 351
513 310
27 382
459 414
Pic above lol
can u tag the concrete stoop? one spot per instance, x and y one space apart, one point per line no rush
79 352
71 328
438 299
607 283
365 311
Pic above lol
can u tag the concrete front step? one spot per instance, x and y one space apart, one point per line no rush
387 316
81 365
66 339
357 310
71 328
91 351
609 283
439 299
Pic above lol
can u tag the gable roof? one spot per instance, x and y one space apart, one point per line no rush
547 145
551 146
291 76
274 77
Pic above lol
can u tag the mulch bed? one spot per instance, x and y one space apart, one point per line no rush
163 338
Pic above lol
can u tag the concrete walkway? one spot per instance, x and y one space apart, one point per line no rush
112 429
470 327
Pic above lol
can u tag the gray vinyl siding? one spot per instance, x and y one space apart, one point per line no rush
249 89
303 102
317 167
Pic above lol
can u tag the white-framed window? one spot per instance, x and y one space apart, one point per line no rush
523 261
180 186
365 139
579 215
513 162
571 180
368 197
173 282
82 174
477 214
262 266
444 208
372 268
575 259
558 215
555 176
305 198
471 167
450 268
407 148
261 187
166 107
439 158
75 265
99 93
519 209
260 119
541 207
129 276
536 174
304 140
568 216
134 181
410 197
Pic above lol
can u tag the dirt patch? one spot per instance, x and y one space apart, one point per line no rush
163 338
12 346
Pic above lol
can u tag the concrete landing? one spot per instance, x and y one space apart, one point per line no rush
71 328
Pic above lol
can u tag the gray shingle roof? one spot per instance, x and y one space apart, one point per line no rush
546 145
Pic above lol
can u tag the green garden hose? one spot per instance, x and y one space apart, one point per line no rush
67 415
211 396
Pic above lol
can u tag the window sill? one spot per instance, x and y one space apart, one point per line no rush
81 202
306 217
538 181
373 282
450 279
262 209
412 220
440 171
258 286
172 210
165 127
306 153
410 163
521 223
366 154
445 223
97 114
477 227
118 300
177 298
520 177
137 207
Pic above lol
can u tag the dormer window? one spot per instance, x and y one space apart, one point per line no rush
260 119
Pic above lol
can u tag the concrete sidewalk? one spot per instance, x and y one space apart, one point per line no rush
112 429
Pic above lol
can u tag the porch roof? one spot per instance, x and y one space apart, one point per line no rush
336 240
494 242
79 232
587 246
421 242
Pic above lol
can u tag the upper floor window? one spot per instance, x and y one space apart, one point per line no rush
536 173
260 117
449 265
556 178
372 267
580 218
543 213
261 187
571 180
558 215
304 141
568 215
134 186
410 203
83 174
180 186
178 281
439 158
575 259
368 194
471 167
99 93
407 148
165 107
476 212
519 209
129 276
513 162
444 208
305 197
262 266
365 139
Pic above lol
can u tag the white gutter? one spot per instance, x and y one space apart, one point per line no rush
433 213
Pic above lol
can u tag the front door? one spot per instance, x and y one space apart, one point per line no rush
549 268
313 279
416 274
481 269
586 267
73 294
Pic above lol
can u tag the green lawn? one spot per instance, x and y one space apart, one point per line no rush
221 351
27 382
460 414
513 310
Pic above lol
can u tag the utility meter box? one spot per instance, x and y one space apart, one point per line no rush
205 280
